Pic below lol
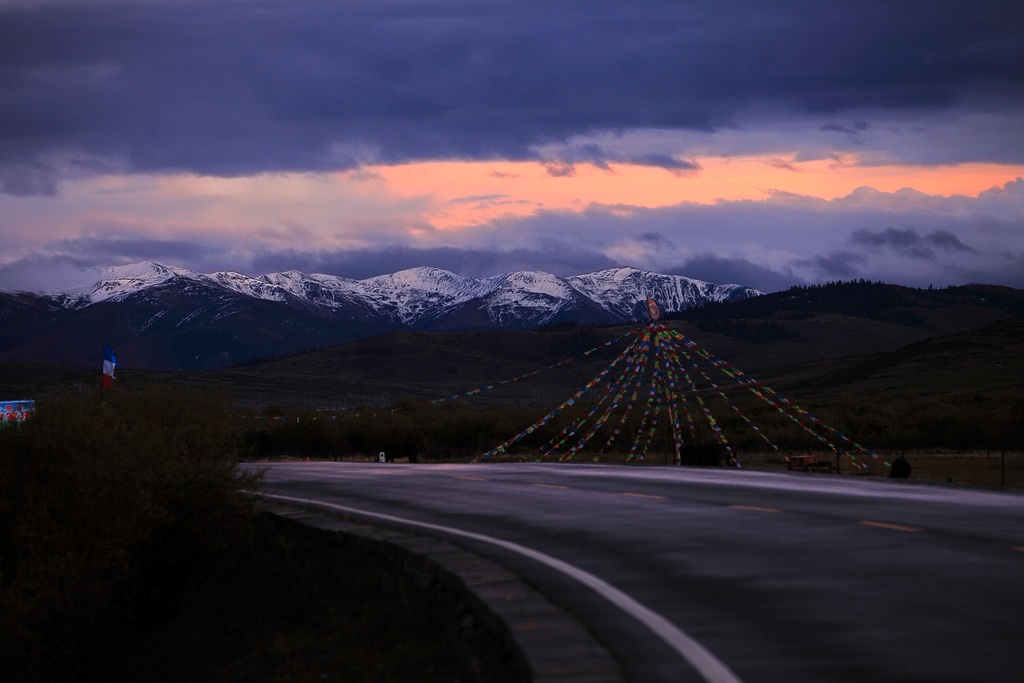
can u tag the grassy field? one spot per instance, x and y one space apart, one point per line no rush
963 468
988 469
123 555
292 612
130 550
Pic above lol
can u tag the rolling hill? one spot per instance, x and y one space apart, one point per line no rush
823 347
159 316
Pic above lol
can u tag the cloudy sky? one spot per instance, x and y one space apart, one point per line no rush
761 143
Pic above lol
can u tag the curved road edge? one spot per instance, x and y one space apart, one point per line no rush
554 646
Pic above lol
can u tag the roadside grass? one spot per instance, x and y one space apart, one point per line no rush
290 612
128 551
989 469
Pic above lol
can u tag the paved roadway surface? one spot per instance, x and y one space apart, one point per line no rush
724 575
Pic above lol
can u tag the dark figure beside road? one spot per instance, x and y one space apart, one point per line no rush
900 468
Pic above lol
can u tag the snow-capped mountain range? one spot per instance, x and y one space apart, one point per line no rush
419 295
228 317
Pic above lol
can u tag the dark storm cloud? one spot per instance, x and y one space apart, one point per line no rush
654 239
61 263
858 127
909 242
772 245
598 156
44 273
740 271
470 262
131 248
782 164
233 88
837 265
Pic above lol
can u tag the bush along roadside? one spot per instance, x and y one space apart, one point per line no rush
111 503
128 551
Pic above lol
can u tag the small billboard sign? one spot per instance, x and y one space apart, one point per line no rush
16 411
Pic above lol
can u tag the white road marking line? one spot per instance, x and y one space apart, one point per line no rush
550 486
644 495
755 508
886 525
707 665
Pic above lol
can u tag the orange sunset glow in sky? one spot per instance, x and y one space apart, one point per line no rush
747 142
461 194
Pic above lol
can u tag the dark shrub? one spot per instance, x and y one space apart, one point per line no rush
108 504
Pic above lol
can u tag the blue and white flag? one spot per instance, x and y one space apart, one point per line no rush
109 362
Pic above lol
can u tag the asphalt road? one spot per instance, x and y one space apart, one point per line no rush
691 574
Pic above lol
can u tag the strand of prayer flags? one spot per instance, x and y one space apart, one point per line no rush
587 436
644 420
668 388
533 373
574 427
663 365
689 344
637 381
547 418
674 398
639 366
826 426
781 404
675 354
578 425
716 430
674 377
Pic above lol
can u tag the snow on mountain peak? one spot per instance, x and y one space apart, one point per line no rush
117 282
534 281
530 287
419 279
143 273
623 290
423 294
415 294
249 286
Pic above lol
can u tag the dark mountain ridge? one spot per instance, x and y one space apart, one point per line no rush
158 316
824 350
860 298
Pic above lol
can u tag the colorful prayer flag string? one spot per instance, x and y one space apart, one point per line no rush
662 369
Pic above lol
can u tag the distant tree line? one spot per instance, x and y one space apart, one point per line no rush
450 431
857 298
456 432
